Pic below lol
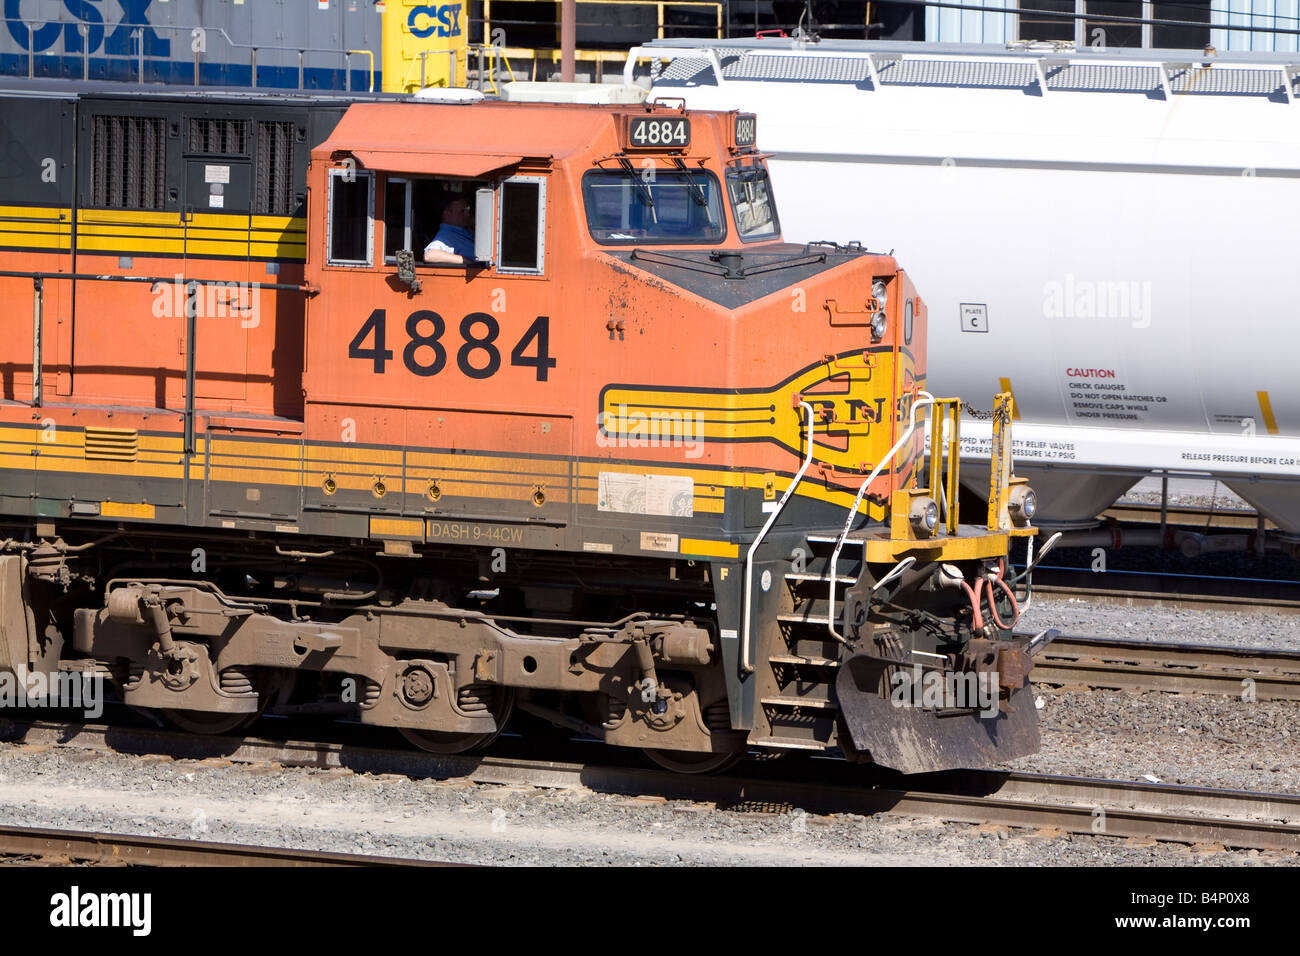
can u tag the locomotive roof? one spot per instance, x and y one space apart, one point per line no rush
1024 50
484 128
54 87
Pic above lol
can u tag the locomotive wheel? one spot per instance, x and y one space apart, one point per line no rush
687 761
441 742
210 724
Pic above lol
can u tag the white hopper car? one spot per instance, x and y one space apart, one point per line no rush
1111 234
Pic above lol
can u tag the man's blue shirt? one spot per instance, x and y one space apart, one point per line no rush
460 240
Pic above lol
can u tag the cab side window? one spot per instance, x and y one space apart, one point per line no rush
397 217
350 222
415 210
521 229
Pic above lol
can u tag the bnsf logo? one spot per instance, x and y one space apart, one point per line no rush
89 15
443 21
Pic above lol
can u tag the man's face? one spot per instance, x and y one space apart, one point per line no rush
458 213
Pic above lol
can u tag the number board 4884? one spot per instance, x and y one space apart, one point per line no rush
473 345
658 132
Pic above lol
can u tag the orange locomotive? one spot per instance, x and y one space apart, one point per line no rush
616 456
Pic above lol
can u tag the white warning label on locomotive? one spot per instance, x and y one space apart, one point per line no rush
658 541
666 495
216 174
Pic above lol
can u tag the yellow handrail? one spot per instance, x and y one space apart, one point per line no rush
1000 462
369 55
943 485
491 51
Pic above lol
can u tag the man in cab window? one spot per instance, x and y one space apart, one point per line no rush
454 243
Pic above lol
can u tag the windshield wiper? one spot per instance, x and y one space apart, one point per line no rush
646 195
696 192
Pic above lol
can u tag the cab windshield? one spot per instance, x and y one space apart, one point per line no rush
653 206
751 202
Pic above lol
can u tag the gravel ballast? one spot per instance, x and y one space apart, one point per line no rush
1197 740
1163 624
461 822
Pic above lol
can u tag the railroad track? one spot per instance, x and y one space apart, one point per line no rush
1193 815
1152 590
119 849
1118 664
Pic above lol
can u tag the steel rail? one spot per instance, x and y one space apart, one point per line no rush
1122 664
1192 815
121 849
1126 597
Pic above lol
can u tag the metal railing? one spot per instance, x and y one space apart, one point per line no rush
198 36
370 55
486 55
943 486
424 55
598 56
190 343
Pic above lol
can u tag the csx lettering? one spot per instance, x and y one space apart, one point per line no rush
444 21
477 357
120 42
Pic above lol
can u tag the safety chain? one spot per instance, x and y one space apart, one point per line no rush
980 414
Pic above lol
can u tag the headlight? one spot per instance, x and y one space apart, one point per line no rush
878 326
924 516
1022 504
879 292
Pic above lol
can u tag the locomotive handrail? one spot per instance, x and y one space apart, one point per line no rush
489 24
154 280
487 53
370 54
745 665
197 33
925 398
191 323
424 54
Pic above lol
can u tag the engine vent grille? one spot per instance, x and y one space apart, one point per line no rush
273 187
224 137
128 168
112 444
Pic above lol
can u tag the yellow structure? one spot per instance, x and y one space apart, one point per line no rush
424 44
